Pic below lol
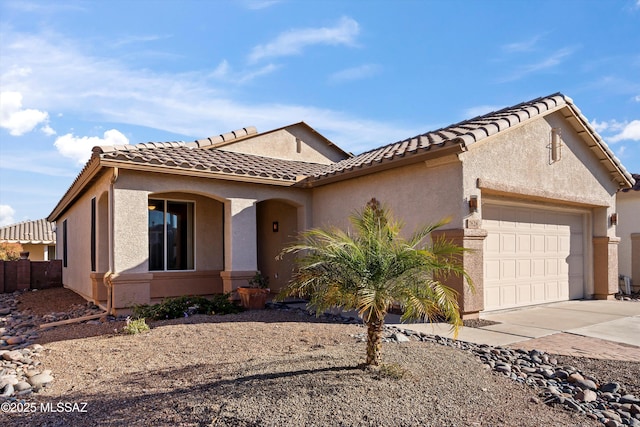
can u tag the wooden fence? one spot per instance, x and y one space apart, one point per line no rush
27 274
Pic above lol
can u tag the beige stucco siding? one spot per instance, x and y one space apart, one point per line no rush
77 273
37 252
418 194
239 200
292 143
519 161
628 209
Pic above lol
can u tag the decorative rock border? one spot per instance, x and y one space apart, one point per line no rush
20 371
556 385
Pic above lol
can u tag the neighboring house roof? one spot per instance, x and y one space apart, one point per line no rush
636 186
204 157
468 132
33 232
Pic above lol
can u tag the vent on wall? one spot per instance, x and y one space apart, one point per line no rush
556 144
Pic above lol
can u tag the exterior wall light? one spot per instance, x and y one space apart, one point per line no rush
473 204
614 219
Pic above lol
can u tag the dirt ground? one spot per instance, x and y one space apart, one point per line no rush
272 368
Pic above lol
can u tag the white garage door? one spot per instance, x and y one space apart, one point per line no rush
531 256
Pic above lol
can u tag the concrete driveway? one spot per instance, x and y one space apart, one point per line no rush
611 321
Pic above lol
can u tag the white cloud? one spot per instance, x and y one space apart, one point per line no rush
294 41
17 120
79 148
6 215
631 131
182 103
137 39
547 63
260 4
225 73
47 130
522 46
637 97
607 126
355 73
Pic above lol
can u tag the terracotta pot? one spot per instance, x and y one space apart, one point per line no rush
253 298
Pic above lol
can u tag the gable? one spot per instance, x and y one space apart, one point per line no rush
461 137
297 142
520 161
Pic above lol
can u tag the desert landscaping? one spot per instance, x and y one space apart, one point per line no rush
285 367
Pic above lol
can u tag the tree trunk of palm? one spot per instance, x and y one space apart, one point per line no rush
374 341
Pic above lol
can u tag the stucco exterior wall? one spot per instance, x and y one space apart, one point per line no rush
418 194
517 166
271 242
296 142
37 252
520 160
225 233
77 273
628 209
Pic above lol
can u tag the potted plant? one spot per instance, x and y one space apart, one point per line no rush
254 296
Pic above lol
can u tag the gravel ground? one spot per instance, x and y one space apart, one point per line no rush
271 368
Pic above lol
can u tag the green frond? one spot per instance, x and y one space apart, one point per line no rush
373 267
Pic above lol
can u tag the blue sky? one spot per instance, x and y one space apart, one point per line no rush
74 74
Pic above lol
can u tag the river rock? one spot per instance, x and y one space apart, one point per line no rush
40 379
586 396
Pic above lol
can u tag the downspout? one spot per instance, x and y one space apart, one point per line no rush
110 275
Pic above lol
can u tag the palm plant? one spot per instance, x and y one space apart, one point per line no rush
375 267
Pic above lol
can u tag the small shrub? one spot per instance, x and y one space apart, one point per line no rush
135 326
259 281
392 370
10 251
185 306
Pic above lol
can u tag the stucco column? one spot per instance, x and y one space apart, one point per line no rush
635 261
240 243
471 300
605 266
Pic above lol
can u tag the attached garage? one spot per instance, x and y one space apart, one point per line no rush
532 255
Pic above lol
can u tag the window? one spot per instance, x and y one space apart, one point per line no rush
170 235
64 243
93 234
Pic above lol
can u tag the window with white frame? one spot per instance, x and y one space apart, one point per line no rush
171 235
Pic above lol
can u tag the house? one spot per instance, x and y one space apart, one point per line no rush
530 188
628 219
36 237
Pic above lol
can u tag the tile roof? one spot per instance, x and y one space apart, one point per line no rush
186 156
636 186
35 232
466 133
203 157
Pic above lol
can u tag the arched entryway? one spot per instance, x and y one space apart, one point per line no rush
277 226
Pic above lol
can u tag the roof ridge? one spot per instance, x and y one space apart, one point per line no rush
226 137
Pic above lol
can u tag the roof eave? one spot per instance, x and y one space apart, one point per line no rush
197 173
615 167
457 146
91 169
